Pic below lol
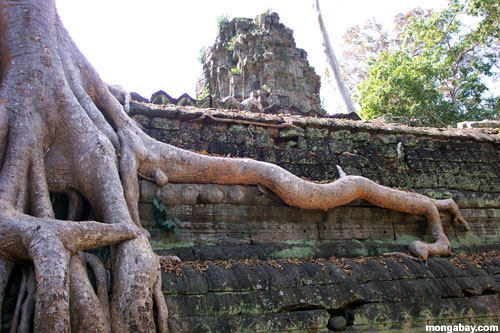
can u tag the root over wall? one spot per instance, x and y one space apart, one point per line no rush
254 264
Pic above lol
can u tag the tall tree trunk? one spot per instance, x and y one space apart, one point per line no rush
62 131
346 99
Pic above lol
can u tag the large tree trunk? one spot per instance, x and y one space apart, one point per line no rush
62 131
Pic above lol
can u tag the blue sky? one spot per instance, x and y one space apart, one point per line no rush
150 45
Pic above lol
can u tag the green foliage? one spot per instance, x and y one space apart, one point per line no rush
400 85
438 72
206 92
257 33
222 20
163 221
203 52
230 46
235 71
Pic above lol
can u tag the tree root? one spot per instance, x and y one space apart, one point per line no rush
242 122
25 303
87 314
75 206
187 167
28 306
161 306
50 250
20 297
101 282
6 268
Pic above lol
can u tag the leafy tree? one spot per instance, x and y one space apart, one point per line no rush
438 72
361 43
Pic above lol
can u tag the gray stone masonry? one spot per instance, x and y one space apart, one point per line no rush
259 59
253 264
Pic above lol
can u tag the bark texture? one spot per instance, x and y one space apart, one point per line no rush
333 63
63 131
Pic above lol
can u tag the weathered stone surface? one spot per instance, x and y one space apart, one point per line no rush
473 310
337 323
257 63
221 214
298 321
370 297
230 102
460 164
479 124
231 223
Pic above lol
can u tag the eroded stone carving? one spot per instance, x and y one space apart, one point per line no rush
259 57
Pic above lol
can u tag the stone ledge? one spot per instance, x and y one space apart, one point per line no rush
190 112
369 293
244 215
479 124
191 194
393 155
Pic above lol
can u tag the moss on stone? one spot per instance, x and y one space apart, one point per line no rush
470 239
164 245
316 133
340 135
362 136
298 252
165 124
290 133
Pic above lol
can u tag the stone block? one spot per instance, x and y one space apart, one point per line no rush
188 193
170 194
316 133
308 320
210 193
190 282
142 120
202 213
148 191
269 232
239 195
165 124
392 315
146 212
291 133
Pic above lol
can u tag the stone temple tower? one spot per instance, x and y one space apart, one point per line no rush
257 58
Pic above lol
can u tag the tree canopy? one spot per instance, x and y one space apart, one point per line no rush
437 66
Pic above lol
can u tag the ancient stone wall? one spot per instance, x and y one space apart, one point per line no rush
260 57
394 155
253 264
389 295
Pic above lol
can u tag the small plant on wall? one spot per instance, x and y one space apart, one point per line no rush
222 20
163 221
201 57
235 71
205 92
